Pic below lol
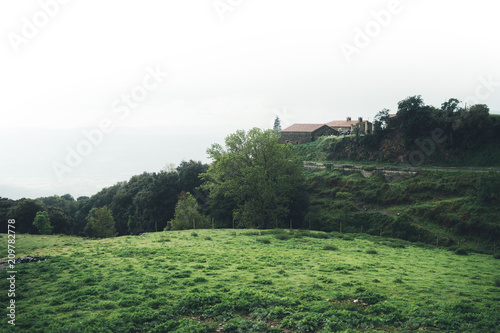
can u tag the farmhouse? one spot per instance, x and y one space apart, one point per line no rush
304 133
348 124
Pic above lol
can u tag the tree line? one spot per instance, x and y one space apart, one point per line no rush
253 182
452 127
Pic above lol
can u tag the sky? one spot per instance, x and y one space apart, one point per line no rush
94 92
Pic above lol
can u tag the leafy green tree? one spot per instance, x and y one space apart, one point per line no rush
189 173
187 215
24 212
100 223
260 175
381 120
473 127
220 208
414 118
5 206
60 220
42 223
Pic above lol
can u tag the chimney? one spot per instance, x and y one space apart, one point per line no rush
360 119
348 118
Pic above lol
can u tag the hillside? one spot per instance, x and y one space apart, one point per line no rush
391 150
250 281
450 208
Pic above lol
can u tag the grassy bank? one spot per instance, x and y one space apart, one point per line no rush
449 208
250 281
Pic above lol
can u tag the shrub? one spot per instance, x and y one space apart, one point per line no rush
183 325
240 325
303 322
370 297
461 251
200 280
283 236
182 274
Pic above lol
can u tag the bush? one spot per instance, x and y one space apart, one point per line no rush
240 325
183 325
283 236
370 297
461 251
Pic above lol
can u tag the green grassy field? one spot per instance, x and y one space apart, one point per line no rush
249 281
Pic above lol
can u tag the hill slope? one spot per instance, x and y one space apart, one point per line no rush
451 208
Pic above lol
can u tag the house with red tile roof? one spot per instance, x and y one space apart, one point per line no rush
348 124
304 133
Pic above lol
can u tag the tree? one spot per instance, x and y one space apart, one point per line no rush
474 127
414 119
277 125
100 223
187 215
42 223
24 212
381 120
60 221
260 175
189 174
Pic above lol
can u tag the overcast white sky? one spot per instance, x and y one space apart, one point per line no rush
71 66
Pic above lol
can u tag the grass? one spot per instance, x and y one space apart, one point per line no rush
234 281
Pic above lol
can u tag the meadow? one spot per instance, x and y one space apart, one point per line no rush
249 281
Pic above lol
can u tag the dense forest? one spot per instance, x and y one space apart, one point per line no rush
144 203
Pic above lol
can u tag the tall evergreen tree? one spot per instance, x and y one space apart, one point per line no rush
277 125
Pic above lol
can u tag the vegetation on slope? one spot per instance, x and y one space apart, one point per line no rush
420 134
450 208
250 281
